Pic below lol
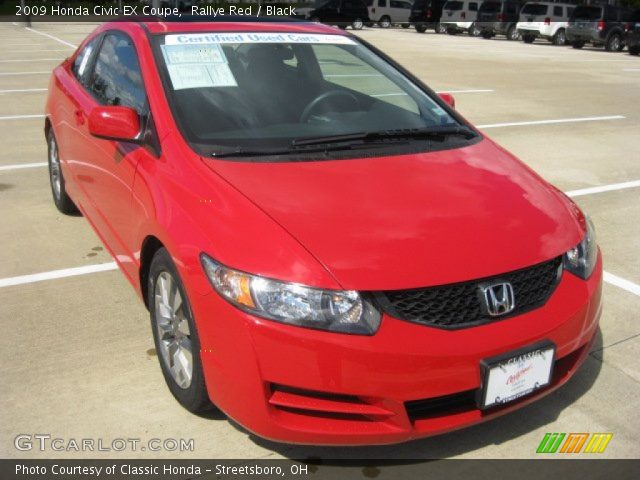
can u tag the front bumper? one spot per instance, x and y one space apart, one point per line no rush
407 381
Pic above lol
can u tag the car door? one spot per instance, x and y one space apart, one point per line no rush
108 167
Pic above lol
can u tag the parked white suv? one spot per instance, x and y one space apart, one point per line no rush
389 12
546 20
460 16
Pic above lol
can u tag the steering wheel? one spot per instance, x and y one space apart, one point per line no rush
323 97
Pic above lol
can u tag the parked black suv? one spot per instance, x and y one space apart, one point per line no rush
600 25
426 14
632 35
341 13
499 17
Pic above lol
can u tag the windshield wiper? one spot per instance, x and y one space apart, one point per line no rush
349 141
408 133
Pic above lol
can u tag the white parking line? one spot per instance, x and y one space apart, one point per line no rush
548 122
466 91
59 40
53 274
603 188
25 73
622 283
32 60
20 166
23 90
631 69
20 117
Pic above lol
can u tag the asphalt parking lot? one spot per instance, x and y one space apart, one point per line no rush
76 354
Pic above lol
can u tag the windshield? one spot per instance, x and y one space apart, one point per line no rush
587 13
271 90
534 9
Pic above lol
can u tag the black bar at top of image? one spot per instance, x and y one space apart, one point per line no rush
90 11
318 469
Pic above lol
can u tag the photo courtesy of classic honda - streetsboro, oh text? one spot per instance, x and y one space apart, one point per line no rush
322 264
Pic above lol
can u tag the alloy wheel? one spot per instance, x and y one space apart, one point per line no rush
174 335
54 168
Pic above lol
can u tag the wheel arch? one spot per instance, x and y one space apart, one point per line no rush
150 245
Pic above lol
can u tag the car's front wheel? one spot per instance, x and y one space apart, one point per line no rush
560 38
614 43
357 24
175 335
61 200
421 28
385 22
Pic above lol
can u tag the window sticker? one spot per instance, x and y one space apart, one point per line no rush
258 37
197 66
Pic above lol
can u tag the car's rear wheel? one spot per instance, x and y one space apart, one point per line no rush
577 44
512 33
357 24
528 38
560 38
385 22
614 43
61 200
421 28
175 335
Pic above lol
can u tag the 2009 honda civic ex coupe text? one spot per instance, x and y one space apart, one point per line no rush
330 254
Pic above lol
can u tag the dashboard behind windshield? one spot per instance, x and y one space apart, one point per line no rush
267 90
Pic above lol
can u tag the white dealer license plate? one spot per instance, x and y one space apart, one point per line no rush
516 374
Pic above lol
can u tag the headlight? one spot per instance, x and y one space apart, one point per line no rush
334 310
581 259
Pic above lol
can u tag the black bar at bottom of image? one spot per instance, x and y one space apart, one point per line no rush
320 469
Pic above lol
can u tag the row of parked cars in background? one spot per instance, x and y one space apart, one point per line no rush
601 25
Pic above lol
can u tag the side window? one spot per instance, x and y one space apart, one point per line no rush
116 77
80 67
473 7
382 3
570 11
557 11
510 8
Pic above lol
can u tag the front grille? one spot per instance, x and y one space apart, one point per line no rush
460 305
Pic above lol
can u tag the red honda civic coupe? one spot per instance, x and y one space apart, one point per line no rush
329 252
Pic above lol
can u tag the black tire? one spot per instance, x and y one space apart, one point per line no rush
440 28
512 33
194 397
357 24
62 201
385 22
421 28
577 44
406 25
614 43
635 50
528 38
486 34
560 38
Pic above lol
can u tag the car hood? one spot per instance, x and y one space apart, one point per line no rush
413 220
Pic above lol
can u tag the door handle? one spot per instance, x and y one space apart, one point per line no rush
79 117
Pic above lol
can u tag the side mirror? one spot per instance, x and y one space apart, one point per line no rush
448 99
115 123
